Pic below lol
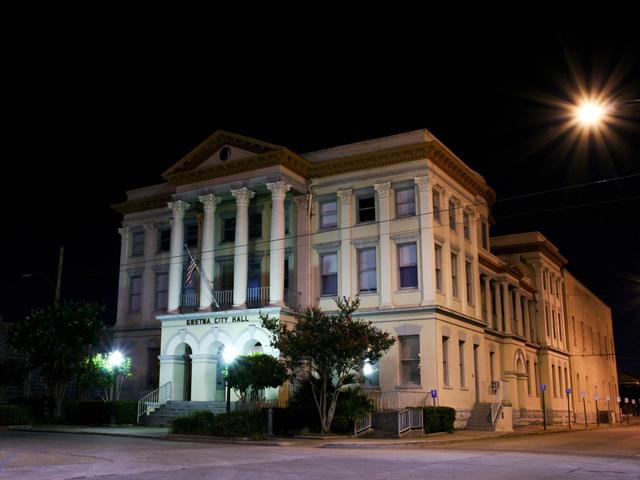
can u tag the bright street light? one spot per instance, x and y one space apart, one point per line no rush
367 369
115 359
229 354
590 113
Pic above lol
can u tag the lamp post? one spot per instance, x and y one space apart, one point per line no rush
114 360
228 355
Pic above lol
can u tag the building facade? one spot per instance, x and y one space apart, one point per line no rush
399 221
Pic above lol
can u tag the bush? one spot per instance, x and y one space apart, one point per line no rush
97 412
15 415
439 419
39 407
235 424
341 424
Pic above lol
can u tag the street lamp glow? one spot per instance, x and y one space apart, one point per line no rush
590 113
367 369
115 359
229 354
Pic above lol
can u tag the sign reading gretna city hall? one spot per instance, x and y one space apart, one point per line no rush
214 320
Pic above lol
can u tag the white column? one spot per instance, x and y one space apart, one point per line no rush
276 263
474 219
487 299
241 251
427 246
302 250
123 283
172 370
462 259
345 242
175 263
148 278
506 306
382 190
207 254
446 250
498 300
527 320
203 377
518 315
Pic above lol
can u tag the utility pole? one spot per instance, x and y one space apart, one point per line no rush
59 276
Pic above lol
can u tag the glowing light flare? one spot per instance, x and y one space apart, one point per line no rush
367 369
115 359
229 354
590 113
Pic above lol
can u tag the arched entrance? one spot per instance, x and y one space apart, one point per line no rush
182 372
521 380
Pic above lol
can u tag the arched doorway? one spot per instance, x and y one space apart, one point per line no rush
182 373
522 381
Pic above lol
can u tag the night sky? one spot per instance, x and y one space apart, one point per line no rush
85 128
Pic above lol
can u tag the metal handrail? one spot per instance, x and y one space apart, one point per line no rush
362 424
153 400
496 405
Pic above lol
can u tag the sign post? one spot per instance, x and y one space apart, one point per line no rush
626 400
543 387
609 409
568 407
583 394
434 395
596 398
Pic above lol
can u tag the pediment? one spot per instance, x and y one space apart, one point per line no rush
220 148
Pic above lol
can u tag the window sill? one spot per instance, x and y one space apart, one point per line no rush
464 389
368 293
447 387
398 217
408 386
327 228
408 290
368 222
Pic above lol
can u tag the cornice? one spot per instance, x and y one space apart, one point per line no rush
541 247
140 205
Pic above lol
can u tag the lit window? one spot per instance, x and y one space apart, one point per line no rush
466 225
329 268
367 270
408 264
328 214
405 202
439 283
409 359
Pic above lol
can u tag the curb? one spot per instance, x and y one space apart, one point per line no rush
176 437
411 443
79 432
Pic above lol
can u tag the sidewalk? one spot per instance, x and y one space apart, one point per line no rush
434 439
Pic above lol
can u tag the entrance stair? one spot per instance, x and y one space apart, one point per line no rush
480 418
162 416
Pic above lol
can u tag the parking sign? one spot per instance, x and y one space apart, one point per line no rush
543 387
434 393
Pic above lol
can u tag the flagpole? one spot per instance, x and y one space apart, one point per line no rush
206 280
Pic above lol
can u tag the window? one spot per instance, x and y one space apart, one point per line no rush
455 290
492 366
582 337
535 373
544 280
153 367
229 229
528 378
466 227
410 359
439 283
162 291
255 224
452 215
469 281
575 334
225 280
137 243
191 235
546 317
553 322
591 334
566 378
560 382
135 293
329 269
445 360
555 380
164 240
405 202
366 208
485 236
328 214
367 270
436 205
408 263
461 362
254 273
560 326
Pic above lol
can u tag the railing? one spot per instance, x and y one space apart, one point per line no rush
153 400
362 424
497 403
396 400
292 298
257 297
410 419
189 302
224 298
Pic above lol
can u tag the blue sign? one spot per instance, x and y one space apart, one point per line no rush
434 393
568 391
543 387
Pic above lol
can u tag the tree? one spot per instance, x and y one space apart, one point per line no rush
255 372
95 372
331 348
56 340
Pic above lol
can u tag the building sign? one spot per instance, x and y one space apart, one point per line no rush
217 320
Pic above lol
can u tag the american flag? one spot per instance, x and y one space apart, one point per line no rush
190 269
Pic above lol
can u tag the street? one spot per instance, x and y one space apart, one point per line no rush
601 454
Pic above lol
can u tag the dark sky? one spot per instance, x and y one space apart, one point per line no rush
90 118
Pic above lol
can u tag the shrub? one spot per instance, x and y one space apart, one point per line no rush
198 422
341 424
439 419
125 411
97 412
14 415
38 406
235 424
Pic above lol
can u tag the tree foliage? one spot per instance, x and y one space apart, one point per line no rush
95 372
56 340
329 349
255 372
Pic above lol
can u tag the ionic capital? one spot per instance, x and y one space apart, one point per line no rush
243 196
178 207
345 196
278 189
209 202
422 182
382 189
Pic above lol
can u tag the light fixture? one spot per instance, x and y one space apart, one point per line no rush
229 354
115 359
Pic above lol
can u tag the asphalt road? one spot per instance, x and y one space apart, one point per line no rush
601 454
